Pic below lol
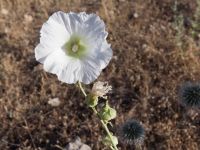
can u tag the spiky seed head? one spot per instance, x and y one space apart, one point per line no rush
190 94
132 132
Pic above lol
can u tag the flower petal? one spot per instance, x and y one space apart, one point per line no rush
69 72
53 36
105 55
65 67
70 21
56 61
41 52
93 30
89 71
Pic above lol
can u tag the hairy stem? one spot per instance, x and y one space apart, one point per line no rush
114 147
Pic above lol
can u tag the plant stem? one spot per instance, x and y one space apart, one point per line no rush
114 147
106 128
82 89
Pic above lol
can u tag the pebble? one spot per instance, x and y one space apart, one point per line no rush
77 145
4 11
55 102
135 15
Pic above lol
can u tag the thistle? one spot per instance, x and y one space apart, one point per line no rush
190 95
132 132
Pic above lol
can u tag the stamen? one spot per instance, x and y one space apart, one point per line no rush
75 48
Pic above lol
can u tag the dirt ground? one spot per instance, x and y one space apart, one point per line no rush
146 72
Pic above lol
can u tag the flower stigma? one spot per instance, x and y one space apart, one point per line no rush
75 47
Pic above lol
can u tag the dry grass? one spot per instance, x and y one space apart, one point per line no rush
145 72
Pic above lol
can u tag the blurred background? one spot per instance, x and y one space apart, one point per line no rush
156 49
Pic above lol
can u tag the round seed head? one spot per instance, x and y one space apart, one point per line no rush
132 132
190 95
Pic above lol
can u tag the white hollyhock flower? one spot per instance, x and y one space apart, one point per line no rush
100 89
74 47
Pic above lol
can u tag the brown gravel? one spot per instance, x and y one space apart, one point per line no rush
146 71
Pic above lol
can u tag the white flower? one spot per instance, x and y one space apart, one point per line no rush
100 89
74 47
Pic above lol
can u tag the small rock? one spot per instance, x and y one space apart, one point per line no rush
144 46
28 18
115 57
84 147
72 146
77 145
135 15
4 11
55 102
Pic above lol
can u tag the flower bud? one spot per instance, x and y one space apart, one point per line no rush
107 113
91 100
107 141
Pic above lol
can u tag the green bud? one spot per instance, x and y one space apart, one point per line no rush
107 113
91 100
107 141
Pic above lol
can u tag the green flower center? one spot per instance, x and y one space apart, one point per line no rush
75 47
